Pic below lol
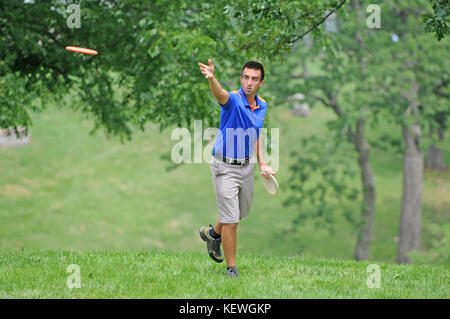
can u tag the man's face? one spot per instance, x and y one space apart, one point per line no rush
251 81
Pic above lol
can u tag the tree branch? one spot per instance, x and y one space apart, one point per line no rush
321 99
317 24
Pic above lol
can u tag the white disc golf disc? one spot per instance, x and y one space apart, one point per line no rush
270 184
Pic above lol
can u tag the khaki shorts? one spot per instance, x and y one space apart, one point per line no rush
234 187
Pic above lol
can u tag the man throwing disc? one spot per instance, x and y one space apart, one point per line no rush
232 166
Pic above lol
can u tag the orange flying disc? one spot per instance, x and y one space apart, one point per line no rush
81 50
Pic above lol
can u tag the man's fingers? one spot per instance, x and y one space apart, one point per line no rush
207 71
267 172
204 68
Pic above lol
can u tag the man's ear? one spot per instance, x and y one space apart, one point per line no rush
262 82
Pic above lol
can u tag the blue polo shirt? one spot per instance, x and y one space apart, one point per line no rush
239 126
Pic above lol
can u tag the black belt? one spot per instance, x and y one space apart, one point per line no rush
233 161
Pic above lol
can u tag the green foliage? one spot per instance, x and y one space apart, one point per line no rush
411 71
437 22
323 177
13 101
273 27
365 75
329 76
439 253
147 66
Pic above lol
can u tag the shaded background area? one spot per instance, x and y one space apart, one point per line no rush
67 189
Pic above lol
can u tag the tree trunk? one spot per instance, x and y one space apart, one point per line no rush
410 222
367 217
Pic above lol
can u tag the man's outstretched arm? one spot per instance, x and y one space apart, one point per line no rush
220 94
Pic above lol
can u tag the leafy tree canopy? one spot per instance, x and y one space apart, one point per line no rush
146 69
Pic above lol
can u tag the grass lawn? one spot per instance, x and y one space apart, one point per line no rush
190 274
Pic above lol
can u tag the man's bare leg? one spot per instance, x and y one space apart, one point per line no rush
218 228
229 242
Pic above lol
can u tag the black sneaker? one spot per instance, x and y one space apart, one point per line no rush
232 272
212 244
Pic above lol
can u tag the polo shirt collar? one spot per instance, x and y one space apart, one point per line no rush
244 98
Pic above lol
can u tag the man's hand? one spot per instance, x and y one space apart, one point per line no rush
219 93
266 170
207 70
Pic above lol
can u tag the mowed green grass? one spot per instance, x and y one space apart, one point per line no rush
70 190
188 274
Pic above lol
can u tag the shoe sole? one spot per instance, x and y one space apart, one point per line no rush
204 238
232 275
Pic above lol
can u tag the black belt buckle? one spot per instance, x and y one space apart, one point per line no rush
236 162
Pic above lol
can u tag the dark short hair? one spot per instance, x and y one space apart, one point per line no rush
254 65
